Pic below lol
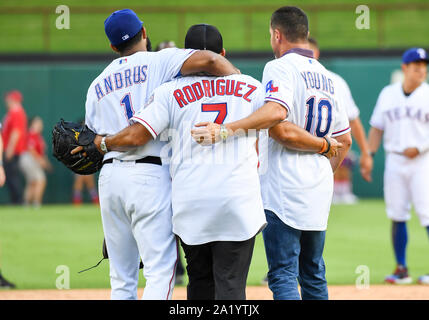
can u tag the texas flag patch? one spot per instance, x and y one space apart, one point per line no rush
270 87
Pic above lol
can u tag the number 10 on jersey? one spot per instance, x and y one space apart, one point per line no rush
318 120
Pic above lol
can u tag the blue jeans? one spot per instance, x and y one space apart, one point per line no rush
294 256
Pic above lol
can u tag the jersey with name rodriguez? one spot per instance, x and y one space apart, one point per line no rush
124 87
298 186
404 120
216 192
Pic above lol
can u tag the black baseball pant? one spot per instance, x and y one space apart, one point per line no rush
218 270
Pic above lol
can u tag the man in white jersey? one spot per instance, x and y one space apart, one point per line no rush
401 119
216 199
342 179
297 188
134 186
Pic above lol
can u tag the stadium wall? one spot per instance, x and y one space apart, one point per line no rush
55 87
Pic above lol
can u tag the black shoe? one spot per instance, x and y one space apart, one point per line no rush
179 279
4 284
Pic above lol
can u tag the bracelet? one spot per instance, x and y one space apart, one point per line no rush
326 146
372 154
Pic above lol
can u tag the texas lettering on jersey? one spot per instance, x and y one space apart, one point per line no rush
408 112
211 88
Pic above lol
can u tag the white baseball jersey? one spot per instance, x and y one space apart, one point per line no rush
404 120
135 198
298 186
124 87
343 91
216 189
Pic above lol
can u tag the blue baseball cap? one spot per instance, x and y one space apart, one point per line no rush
415 54
122 25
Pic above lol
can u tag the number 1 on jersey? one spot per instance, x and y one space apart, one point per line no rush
126 102
220 108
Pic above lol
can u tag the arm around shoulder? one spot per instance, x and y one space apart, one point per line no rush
208 62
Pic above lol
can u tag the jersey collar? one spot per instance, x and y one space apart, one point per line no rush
303 52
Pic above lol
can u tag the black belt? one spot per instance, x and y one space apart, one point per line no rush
148 159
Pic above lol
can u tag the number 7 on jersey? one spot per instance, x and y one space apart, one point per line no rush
220 108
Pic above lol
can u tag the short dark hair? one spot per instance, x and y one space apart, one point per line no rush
292 22
129 43
313 42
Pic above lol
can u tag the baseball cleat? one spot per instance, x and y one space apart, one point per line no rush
399 276
424 279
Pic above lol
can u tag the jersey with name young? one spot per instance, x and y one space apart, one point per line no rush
345 94
298 186
404 119
124 87
216 192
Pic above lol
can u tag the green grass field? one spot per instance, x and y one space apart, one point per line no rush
335 29
34 243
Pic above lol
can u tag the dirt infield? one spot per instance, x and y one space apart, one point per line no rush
376 292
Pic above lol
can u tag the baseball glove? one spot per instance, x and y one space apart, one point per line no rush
68 135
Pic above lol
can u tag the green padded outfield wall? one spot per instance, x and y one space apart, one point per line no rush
59 90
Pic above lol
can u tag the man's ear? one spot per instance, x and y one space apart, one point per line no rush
144 34
278 36
114 48
223 52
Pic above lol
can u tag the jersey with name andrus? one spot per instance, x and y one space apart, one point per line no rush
124 87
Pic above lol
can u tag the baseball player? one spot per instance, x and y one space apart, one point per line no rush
134 186
401 119
297 188
216 198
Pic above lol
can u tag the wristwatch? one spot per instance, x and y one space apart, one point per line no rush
223 132
103 146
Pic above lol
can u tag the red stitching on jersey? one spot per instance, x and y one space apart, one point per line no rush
341 131
147 124
282 102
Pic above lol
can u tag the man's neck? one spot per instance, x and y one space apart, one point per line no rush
137 48
289 46
409 87
15 106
